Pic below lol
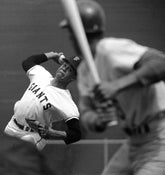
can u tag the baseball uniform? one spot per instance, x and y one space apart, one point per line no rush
143 105
42 102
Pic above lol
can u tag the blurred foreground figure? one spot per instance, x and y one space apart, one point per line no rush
131 93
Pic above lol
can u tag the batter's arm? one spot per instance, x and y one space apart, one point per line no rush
151 67
148 70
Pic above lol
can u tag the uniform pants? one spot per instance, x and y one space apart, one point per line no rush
13 130
142 155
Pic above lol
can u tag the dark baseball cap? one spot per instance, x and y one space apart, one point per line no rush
73 61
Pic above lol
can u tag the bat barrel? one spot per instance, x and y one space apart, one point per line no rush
72 13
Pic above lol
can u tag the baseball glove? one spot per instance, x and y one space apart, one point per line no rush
41 129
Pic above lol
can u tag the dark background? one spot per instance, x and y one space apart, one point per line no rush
32 26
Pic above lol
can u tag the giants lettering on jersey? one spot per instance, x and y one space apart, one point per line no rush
36 90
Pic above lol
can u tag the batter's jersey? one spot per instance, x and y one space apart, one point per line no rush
116 57
44 102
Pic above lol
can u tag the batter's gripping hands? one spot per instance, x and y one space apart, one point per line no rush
108 112
38 127
101 115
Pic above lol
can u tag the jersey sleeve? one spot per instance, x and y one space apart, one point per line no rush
114 57
122 53
117 57
151 67
39 73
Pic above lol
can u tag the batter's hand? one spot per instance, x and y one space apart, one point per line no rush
105 90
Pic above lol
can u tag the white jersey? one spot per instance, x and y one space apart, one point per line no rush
116 57
44 102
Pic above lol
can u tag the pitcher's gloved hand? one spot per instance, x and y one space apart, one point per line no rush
38 127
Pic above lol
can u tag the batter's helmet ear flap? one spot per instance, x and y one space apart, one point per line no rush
92 15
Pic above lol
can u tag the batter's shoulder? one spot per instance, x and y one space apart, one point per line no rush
112 44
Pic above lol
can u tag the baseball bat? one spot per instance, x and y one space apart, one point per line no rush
73 16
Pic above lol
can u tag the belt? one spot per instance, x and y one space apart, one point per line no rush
24 128
144 128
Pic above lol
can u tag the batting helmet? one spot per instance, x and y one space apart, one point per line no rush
92 15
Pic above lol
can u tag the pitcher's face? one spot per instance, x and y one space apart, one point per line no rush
65 72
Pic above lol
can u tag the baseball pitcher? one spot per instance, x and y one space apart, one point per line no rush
45 101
